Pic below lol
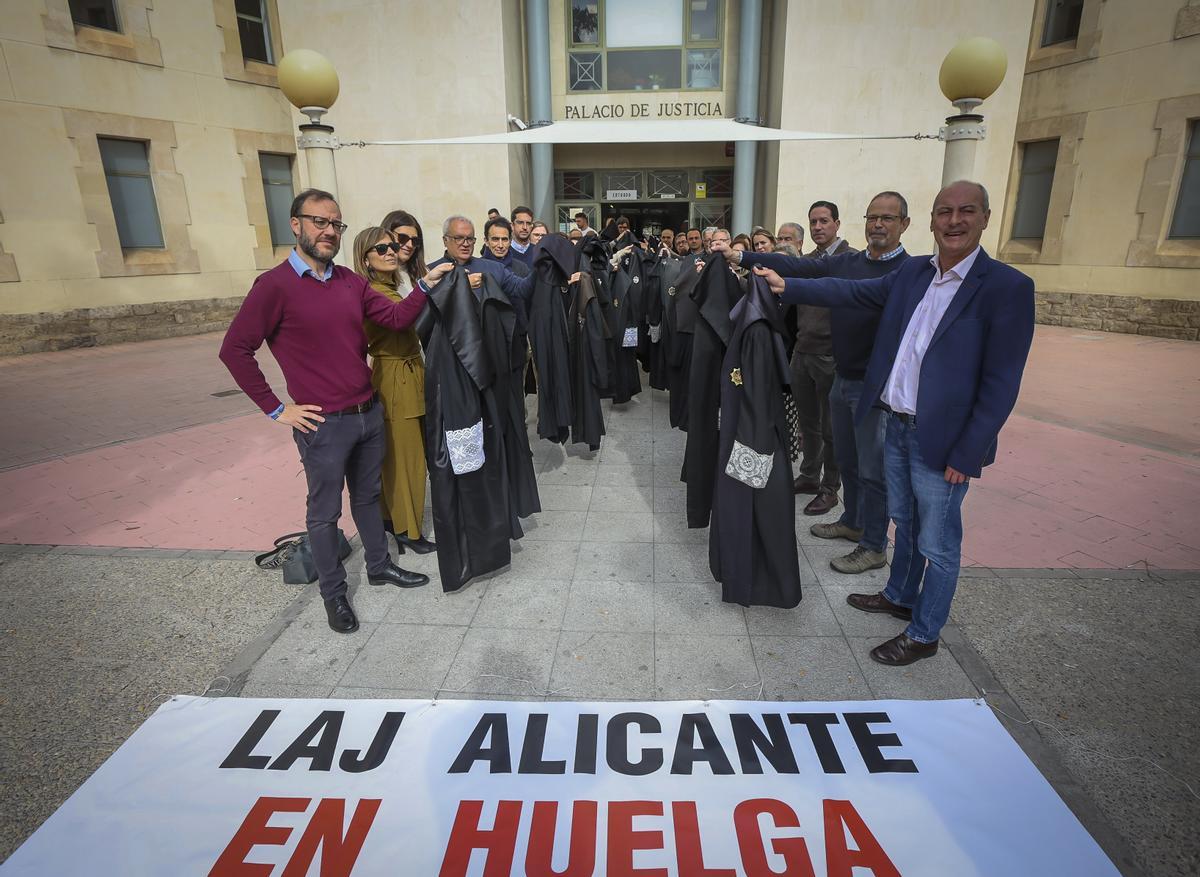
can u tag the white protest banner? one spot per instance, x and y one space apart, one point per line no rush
697 789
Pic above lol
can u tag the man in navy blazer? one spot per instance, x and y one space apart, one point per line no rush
953 337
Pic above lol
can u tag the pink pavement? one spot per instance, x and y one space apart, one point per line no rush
1099 468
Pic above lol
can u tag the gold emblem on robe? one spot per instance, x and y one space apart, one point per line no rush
736 377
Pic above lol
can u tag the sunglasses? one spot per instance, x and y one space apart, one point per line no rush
404 240
381 249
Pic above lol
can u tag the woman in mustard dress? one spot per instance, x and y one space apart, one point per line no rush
391 265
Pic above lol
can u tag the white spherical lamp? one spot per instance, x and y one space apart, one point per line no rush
972 71
309 81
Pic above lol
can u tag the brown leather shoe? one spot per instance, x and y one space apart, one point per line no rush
802 486
825 501
878 603
902 650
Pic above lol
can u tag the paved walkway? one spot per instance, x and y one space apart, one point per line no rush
127 446
154 490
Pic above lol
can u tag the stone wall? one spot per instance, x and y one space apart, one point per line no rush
112 324
1163 318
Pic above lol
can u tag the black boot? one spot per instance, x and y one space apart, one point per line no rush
420 545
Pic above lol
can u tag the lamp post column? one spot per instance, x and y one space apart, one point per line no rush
310 83
962 134
318 142
970 74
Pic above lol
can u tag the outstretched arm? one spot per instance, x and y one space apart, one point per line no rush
831 292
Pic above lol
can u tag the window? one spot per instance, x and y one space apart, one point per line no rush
1033 192
705 214
96 13
1062 21
278 193
253 30
667 184
717 183
566 216
580 185
644 45
1186 222
127 172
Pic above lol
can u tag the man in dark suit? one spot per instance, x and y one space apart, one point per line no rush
953 337
813 373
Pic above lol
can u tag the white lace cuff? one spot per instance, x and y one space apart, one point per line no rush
656 333
748 466
630 339
466 448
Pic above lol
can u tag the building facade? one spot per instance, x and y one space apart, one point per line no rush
150 156
1102 207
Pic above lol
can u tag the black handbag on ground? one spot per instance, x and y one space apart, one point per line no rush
293 554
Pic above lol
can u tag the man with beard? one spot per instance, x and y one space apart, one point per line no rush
521 233
311 312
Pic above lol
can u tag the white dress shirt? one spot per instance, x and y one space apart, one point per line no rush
900 391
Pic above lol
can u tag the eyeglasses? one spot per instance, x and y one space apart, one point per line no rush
460 239
404 240
381 249
323 222
886 218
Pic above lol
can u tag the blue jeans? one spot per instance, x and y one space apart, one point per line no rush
927 511
859 451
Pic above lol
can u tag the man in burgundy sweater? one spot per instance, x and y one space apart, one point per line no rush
310 312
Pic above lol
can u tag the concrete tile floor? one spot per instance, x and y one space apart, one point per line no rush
607 596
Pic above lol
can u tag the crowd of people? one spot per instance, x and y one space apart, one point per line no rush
898 371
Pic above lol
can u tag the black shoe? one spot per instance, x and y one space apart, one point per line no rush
879 603
341 617
420 545
901 651
401 578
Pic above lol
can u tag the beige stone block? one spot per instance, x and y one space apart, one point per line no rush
22 22
1132 26
1125 326
97 84
1187 24
1169 332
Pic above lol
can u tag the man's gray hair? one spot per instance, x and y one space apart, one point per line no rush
797 227
711 229
983 192
450 220
787 249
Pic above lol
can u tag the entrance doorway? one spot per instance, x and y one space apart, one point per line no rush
646 217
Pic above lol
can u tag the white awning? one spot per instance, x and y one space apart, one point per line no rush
639 131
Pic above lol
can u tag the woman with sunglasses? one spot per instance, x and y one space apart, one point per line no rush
392 262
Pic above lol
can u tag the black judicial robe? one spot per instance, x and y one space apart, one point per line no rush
655 352
554 263
627 310
505 347
589 345
714 296
464 441
680 316
593 259
752 541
